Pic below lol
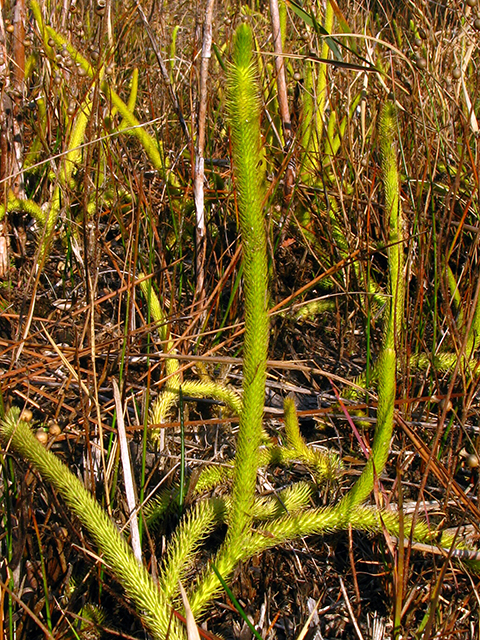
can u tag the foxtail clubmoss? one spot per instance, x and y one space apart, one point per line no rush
244 118
197 389
244 113
386 366
139 586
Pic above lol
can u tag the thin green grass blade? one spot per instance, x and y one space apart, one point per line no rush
236 604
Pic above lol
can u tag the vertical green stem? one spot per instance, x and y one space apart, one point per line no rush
393 330
244 111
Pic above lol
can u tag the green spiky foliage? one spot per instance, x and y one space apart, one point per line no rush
314 103
47 214
65 178
244 117
310 134
93 618
292 525
194 528
289 500
311 309
386 366
244 112
49 218
442 361
26 206
322 71
445 361
197 389
155 509
150 145
342 238
325 464
278 519
139 586
394 220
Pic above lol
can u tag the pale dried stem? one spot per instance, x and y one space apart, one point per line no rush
198 189
280 69
127 475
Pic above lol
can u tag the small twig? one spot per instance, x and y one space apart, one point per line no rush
352 565
350 610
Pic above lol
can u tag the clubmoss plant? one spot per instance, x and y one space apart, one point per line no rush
47 219
327 464
244 111
65 177
386 366
47 214
197 389
254 523
194 528
314 102
27 206
447 361
139 586
49 34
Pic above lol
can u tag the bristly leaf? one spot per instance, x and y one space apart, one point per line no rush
386 367
149 600
244 115
394 222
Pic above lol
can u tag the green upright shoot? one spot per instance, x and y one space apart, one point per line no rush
244 112
386 366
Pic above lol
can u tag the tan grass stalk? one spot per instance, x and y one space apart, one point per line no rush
199 177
